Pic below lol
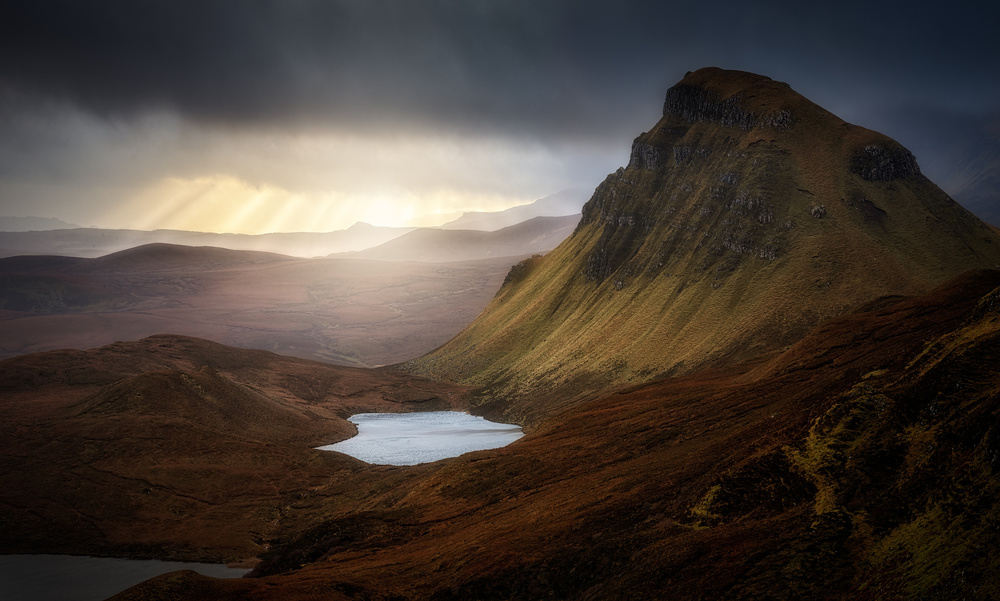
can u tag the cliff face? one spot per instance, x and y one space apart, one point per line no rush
744 217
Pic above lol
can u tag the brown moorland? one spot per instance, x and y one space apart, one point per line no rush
344 311
858 464
177 447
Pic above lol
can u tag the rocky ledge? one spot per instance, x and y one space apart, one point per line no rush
879 164
693 104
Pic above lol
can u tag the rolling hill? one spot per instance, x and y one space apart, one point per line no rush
341 310
97 242
861 463
176 446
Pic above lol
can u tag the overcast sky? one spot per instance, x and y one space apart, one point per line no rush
300 115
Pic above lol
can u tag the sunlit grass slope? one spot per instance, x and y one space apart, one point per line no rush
745 216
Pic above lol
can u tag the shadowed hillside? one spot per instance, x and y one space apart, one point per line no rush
176 447
745 217
859 464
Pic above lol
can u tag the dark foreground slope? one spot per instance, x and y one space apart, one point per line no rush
745 216
176 447
862 463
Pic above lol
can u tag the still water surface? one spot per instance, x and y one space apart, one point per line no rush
412 438
79 578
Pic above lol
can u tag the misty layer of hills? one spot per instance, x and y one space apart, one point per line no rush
34 235
761 366
29 224
380 305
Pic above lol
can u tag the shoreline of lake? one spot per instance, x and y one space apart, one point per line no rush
50 577
422 437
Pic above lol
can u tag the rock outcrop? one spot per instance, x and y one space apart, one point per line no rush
880 164
693 103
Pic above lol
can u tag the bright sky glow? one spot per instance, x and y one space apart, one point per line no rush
311 115
254 182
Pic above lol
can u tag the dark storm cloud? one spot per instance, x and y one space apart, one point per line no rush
100 98
558 66
457 62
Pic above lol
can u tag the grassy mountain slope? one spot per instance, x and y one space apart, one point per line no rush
745 217
859 464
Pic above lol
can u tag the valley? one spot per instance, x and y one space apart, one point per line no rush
344 311
761 366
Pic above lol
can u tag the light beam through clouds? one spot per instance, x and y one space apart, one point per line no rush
157 170
313 114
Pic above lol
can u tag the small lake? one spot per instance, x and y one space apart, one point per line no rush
80 578
412 438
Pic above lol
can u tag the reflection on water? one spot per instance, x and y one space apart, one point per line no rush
77 578
412 438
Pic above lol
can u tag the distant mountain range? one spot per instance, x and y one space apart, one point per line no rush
567 202
341 310
36 235
536 235
28 224
95 242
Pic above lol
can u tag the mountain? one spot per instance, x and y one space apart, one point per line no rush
975 178
28 224
746 216
960 152
832 432
566 202
537 235
95 242
128 279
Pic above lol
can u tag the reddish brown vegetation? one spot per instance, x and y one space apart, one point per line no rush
176 447
703 486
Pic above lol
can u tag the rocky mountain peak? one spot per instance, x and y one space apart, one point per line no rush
731 98
745 216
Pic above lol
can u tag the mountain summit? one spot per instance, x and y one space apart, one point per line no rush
744 217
